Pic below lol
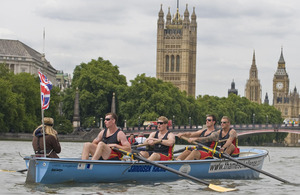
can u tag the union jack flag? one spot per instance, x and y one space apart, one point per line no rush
46 86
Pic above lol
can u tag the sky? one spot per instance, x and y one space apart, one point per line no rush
124 32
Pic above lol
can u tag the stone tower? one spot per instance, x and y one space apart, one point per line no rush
285 101
176 49
281 84
253 87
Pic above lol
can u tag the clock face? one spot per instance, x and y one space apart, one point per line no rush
279 85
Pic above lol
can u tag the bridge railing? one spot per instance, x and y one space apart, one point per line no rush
182 128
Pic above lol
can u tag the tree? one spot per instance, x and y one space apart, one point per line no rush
149 98
96 81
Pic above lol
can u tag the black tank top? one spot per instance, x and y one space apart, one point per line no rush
208 144
159 147
113 139
226 137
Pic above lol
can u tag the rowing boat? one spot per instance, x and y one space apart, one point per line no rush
61 170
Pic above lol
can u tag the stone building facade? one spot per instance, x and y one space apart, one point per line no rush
176 49
19 57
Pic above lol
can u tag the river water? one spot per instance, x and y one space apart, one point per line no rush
283 162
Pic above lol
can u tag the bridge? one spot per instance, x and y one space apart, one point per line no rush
242 130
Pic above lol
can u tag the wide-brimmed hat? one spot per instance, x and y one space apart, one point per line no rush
48 121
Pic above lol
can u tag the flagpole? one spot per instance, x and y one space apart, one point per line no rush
44 138
43 123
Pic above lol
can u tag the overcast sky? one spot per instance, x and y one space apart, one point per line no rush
124 32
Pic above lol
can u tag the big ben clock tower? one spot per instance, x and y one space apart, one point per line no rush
281 81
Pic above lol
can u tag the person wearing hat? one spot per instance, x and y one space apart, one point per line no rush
52 144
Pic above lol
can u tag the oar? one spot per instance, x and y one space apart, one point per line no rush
144 144
186 148
211 186
224 155
20 171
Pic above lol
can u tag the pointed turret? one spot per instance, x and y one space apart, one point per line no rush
281 59
194 17
186 14
169 17
266 101
253 69
232 90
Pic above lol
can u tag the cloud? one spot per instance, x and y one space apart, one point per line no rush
124 32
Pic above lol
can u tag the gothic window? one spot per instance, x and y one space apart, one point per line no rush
279 99
172 63
286 100
167 63
286 111
177 63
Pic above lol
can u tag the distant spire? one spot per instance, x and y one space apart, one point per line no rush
281 59
253 59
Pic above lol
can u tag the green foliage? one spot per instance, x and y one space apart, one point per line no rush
239 109
20 106
149 98
96 81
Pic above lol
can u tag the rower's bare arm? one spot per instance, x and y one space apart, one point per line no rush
151 140
98 138
213 137
186 134
170 141
232 136
125 144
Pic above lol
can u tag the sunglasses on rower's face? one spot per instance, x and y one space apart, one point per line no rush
107 119
223 122
160 123
208 119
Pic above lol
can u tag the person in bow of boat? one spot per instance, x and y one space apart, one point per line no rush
131 139
52 144
140 139
226 136
110 137
199 153
162 140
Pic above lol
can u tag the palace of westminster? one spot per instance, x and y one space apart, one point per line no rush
175 63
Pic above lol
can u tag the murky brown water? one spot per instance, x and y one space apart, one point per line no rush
282 161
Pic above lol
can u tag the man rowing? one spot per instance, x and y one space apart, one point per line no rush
225 133
162 140
110 137
198 153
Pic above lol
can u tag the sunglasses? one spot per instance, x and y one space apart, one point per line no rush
223 122
107 119
208 120
160 123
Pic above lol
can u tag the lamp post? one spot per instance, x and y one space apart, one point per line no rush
267 119
101 123
253 119
125 125
173 122
190 122
139 122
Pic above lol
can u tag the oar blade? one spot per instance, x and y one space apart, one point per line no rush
220 188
